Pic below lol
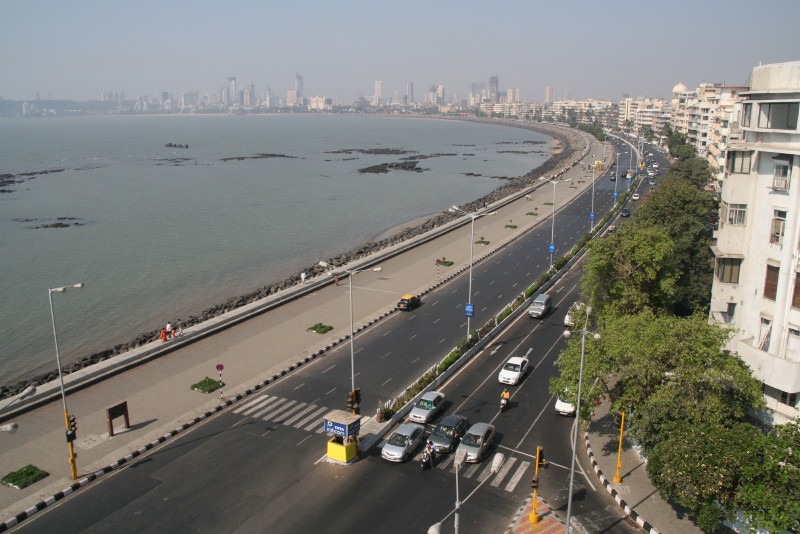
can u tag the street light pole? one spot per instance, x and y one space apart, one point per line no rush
553 223
591 216
576 425
70 432
352 331
472 216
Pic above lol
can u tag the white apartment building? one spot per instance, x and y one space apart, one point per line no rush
756 288
635 114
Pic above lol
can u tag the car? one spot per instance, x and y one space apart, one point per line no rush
613 177
476 442
408 302
635 196
402 444
539 307
427 407
651 182
625 212
611 229
447 434
513 371
575 310
564 408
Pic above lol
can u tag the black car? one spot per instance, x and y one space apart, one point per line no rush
408 302
448 432
625 212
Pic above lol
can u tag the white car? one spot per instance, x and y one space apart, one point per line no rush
635 196
513 371
572 312
427 407
564 408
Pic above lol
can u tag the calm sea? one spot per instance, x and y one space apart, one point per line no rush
157 233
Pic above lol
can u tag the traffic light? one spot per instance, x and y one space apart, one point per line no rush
351 400
357 397
72 429
534 483
541 463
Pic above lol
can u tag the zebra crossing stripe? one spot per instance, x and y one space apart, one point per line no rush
471 470
264 408
278 410
503 471
314 415
260 406
517 475
290 412
295 417
251 402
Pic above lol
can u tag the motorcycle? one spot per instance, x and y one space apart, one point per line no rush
427 460
503 404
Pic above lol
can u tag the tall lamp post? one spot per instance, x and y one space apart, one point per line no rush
552 247
568 334
591 215
69 421
350 275
25 393
472 216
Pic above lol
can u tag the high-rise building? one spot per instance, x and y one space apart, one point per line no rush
376 98
548 94
567 94
440 97
233 92
756 287
494 88
249 96
410 92
298 85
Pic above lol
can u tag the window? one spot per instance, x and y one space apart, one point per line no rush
771 282
746 111
789 399
782 172
778 226
737 214
728 270
796 294
778 116
793 345
739 162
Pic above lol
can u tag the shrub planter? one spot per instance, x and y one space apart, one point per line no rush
320 328
207 385
24 477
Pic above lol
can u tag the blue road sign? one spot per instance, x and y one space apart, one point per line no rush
591 216
469 310
615 195
552 248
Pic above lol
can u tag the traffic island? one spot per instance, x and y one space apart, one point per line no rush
344 427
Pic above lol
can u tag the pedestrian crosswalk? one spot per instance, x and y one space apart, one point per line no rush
309 417
301 415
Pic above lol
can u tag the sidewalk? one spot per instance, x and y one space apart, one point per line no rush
254 352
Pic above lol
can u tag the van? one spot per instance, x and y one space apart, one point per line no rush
540 306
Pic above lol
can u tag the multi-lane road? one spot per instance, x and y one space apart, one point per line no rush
259 466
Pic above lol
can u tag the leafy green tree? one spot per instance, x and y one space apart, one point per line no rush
684 212
769 493
683 152
647 132
632 270
695 170
699 467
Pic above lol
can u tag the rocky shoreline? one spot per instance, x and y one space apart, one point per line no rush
565 141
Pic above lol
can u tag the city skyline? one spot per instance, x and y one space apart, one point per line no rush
75 52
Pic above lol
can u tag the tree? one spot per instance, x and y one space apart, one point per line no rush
695 170
699 467
684 212
632 270
647 133
683 152
769 493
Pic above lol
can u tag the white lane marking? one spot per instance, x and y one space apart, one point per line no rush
328 369
260 405
412 337
307 419
471 470
387 333
385 355
300 414
282 419
301 385
517 476
386 382
302 440
279 410
415 360
442 340
437 320
264 409
331 391
251 402
491 283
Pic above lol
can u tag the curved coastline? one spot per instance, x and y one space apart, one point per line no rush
563 140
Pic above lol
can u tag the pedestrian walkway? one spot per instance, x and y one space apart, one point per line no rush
255 352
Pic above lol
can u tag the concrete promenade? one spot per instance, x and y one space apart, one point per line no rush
253 352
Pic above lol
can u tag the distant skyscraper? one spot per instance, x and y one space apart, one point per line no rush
567 94
378 92
233 93
494 86
548 94
410 92
440 98
249 97
298 85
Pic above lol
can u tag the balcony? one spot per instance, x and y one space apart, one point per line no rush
780 184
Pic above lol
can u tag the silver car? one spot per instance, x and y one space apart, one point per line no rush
402 444
448 432
477 441
427 407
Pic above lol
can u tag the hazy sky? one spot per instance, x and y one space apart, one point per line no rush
76 49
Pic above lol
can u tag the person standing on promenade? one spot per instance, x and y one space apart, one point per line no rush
178 328
170 333
163 335
303 277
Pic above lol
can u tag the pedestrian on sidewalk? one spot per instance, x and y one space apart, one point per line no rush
163 335
178 328
169 332
303 277
336 277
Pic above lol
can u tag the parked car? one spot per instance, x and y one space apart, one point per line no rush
447 434
477 441
408 302
573 312
402 444
427 407
513 371
564 408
